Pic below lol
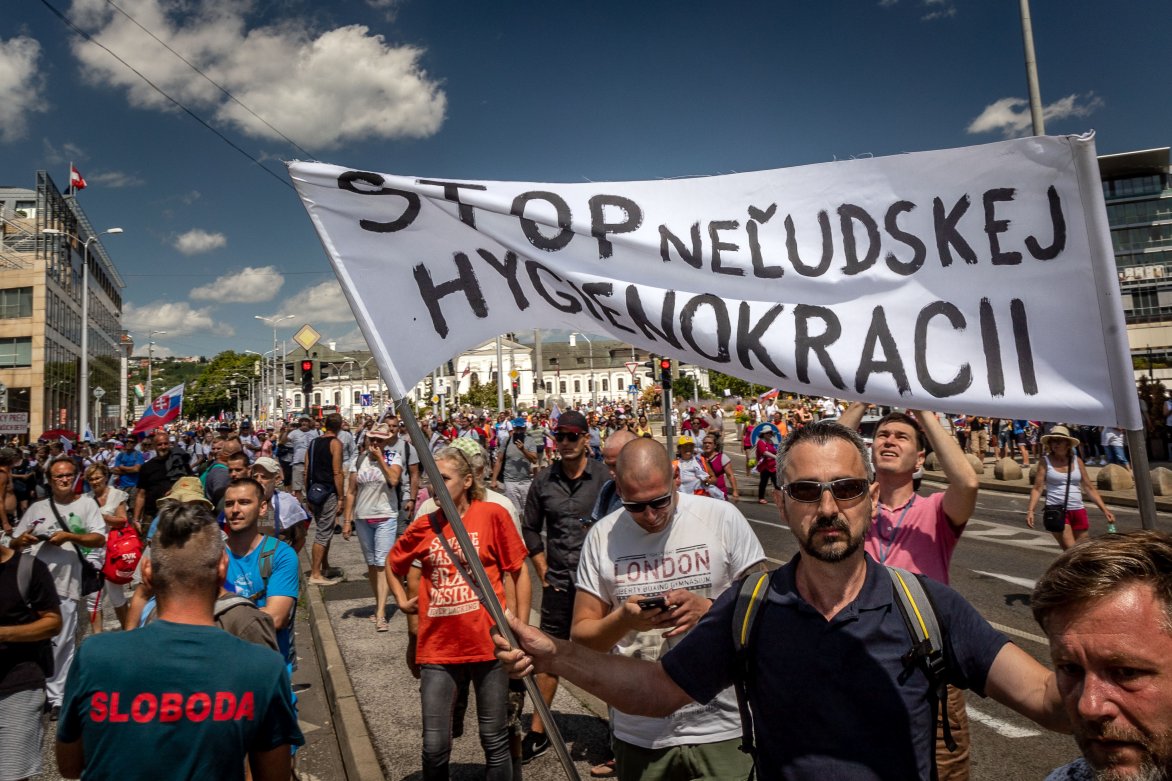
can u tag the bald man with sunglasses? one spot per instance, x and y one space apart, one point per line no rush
648 573
827 685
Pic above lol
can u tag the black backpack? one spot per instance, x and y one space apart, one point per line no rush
927 651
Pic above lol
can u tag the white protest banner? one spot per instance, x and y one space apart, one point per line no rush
13 423
978 279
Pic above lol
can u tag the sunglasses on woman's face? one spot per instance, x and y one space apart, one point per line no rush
842 490
654 504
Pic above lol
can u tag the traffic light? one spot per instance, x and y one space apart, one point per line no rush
516 389
665 372
307 376
290 372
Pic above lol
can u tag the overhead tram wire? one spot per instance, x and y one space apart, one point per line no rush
159 90
213 82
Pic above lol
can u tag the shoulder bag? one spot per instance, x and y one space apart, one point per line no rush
91 576
1054 515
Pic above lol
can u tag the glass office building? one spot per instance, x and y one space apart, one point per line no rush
40 311
1138 191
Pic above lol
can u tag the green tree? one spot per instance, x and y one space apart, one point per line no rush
719 382
212 390
482 395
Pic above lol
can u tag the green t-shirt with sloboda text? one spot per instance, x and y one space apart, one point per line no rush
175 701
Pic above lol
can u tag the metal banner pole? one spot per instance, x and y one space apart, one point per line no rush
1140 469
495 610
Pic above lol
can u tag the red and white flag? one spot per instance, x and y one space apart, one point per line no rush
76 180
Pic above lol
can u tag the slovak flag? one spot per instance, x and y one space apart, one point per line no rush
163 409
76 180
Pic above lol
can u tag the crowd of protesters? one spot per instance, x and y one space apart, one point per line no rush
196 527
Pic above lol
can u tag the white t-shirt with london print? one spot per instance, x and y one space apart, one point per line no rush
705 547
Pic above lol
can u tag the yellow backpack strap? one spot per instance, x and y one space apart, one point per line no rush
928 649
750 600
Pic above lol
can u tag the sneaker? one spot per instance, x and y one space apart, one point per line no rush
55 712
322 581
333 572
533 745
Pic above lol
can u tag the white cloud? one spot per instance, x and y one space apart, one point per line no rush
249 285
67 152
22 86
351 340
319 88
159 351
938 9
320 303
198 240
176 318
1011 116
115 179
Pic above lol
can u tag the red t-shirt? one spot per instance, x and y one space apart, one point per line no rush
453 627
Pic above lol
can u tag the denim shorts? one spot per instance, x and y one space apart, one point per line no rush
377 539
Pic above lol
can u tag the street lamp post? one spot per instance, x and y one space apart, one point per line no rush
84 422
151 365
590 352
273 320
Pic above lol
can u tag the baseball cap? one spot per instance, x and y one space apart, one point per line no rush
266 464
573 421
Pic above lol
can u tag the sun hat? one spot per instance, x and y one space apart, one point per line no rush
1060 432
380 431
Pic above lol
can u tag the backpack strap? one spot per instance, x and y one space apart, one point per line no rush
927 651
24 575
267 554
750 599
230 601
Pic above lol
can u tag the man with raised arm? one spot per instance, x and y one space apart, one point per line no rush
919 532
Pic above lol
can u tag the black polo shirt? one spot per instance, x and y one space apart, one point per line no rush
826 696
561 508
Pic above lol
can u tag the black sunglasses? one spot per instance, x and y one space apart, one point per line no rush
842 490
654 504
564 436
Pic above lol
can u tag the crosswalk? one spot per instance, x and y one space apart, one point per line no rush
1018 537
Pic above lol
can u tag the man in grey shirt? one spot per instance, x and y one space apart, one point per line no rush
299 439
514 465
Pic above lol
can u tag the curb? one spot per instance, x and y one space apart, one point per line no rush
358 755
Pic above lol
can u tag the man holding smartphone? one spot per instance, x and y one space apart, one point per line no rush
678 552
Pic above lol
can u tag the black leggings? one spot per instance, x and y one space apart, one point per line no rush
766 477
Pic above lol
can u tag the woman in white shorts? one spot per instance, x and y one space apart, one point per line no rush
372 509
113 504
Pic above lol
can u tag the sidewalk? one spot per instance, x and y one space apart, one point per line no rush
1022 486
375 700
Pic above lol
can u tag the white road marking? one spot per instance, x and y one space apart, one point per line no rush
1025 582
1000 726
1019 633
1015 536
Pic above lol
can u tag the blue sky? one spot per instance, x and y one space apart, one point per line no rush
524 90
